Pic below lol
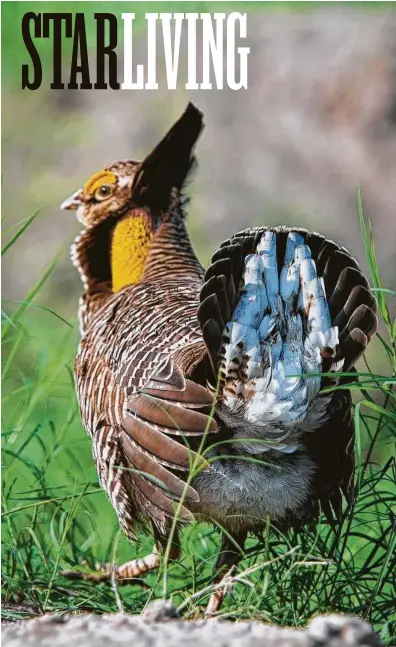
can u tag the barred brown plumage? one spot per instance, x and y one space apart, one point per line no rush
278 314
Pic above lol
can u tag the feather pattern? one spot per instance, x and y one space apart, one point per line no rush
302 314
278 315
126 375
279 331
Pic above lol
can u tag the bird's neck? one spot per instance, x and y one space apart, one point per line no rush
111 256
90 254
130 244
142 249
171 254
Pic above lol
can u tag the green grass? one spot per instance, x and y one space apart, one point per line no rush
55 515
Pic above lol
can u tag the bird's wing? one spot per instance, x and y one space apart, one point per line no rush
134 394
160 418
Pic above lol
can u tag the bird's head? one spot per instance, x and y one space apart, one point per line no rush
106 193
151 184
126 204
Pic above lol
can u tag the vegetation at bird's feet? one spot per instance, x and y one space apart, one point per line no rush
56 517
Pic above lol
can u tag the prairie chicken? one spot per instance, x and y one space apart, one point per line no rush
278 315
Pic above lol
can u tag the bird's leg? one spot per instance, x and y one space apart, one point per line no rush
129 571
123 574
228 556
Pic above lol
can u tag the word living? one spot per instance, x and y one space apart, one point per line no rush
215 58
212 48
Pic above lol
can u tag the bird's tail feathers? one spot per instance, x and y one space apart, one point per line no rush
281 308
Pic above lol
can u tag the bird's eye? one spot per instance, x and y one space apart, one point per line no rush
103 192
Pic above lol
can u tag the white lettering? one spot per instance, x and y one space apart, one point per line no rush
242 51
215 46
192 51
128 84
151 83
171 58
215 29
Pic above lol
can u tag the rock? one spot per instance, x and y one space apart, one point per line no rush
120 629
335 631
160 611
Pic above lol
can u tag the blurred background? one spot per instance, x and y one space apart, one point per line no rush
318 117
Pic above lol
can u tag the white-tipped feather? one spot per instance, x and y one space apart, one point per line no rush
307 274
253 300
301 253
289 281
267 250
318 314
267 326
293 240
280 331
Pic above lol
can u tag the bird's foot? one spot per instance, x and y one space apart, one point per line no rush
128 573
216 599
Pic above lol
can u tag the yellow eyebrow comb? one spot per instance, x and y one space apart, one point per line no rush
96 180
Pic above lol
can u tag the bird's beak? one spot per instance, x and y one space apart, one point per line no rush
73 202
